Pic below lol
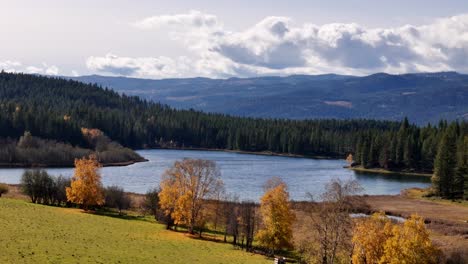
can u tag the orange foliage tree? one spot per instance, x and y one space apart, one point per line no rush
377 240
410 244
86 187
184 189
370 235
277 217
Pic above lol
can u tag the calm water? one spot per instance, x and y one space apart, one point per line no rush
243 174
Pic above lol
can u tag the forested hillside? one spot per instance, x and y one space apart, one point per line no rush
57 109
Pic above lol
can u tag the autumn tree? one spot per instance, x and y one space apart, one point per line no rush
329 224
277 216
410 243
370 235
350 159
378 240
185 187
86 187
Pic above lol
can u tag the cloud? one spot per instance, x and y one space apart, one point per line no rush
9 66
139 67
16 66
194 19
52 70
279 46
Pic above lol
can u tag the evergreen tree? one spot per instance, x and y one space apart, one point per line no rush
365 153
445 162
461 171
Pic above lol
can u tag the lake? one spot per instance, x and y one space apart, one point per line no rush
244 174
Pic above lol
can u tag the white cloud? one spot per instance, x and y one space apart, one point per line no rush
9 66
276 45
140 67
52 70
194 18
16 66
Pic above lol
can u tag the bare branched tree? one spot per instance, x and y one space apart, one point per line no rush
330 224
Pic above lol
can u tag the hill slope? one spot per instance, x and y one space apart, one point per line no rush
421 97
34 233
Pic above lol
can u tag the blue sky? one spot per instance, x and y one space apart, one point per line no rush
161 39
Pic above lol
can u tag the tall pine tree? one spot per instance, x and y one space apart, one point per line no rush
445 163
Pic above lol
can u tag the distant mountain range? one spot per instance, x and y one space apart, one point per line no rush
422 97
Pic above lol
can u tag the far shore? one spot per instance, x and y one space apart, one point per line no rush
270 153
389 172
261 153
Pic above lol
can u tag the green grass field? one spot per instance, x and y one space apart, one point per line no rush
31 233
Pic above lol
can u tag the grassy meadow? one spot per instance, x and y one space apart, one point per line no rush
31 233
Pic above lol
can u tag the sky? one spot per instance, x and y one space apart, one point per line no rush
222 39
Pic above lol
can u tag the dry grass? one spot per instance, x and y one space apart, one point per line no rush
14 192
447 221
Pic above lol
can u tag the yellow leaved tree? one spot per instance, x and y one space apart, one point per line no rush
378 240
86 187
370 235
277 217
410 244
185 188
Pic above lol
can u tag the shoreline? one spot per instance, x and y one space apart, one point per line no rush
44 166
260 153
389 172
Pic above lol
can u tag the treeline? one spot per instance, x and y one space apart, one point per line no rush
409 148
450 179
57 109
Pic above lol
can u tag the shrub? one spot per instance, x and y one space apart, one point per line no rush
151 205
115 197
3 189
44 188
61 184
